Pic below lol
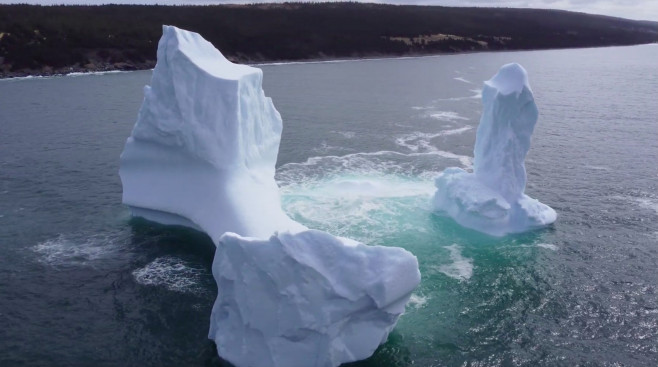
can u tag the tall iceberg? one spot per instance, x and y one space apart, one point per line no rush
204 148
202 154
491 199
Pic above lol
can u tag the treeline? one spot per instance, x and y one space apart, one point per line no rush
48 39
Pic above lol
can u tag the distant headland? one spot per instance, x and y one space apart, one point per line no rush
47 40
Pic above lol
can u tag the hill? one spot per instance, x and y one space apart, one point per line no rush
55 39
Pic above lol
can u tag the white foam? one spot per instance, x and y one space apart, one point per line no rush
461 267
361 161
595 168
173 274
643 202
419 141
366 164
648 203
366 207
417 301
85 73
28 77
463 80
465 160
346 134
446 116
384 186
325 148
477 95
548 246
69 250
368 196
72 74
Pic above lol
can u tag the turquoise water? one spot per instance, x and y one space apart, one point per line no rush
82 283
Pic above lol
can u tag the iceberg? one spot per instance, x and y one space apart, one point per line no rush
204 147
491 199
306 299
202 154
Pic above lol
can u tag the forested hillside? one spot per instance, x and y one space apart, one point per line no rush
52 39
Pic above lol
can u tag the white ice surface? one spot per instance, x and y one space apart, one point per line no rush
202 154
492 199
306 299
205 144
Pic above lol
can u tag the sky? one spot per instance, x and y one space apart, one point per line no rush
632 9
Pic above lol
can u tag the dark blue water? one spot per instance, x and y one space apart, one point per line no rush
83 284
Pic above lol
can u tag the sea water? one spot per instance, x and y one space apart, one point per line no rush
81 283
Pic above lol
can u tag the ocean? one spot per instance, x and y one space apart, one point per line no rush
82 283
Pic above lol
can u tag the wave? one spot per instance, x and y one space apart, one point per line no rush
446 116
72 74
419 141
548 246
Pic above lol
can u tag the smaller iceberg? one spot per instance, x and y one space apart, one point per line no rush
307 298
491 199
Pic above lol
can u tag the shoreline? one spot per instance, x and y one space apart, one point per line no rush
47 71
120 67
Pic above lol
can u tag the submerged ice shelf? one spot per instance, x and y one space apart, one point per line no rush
202 154
491 199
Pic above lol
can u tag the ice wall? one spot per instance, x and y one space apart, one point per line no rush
202 154
492 199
